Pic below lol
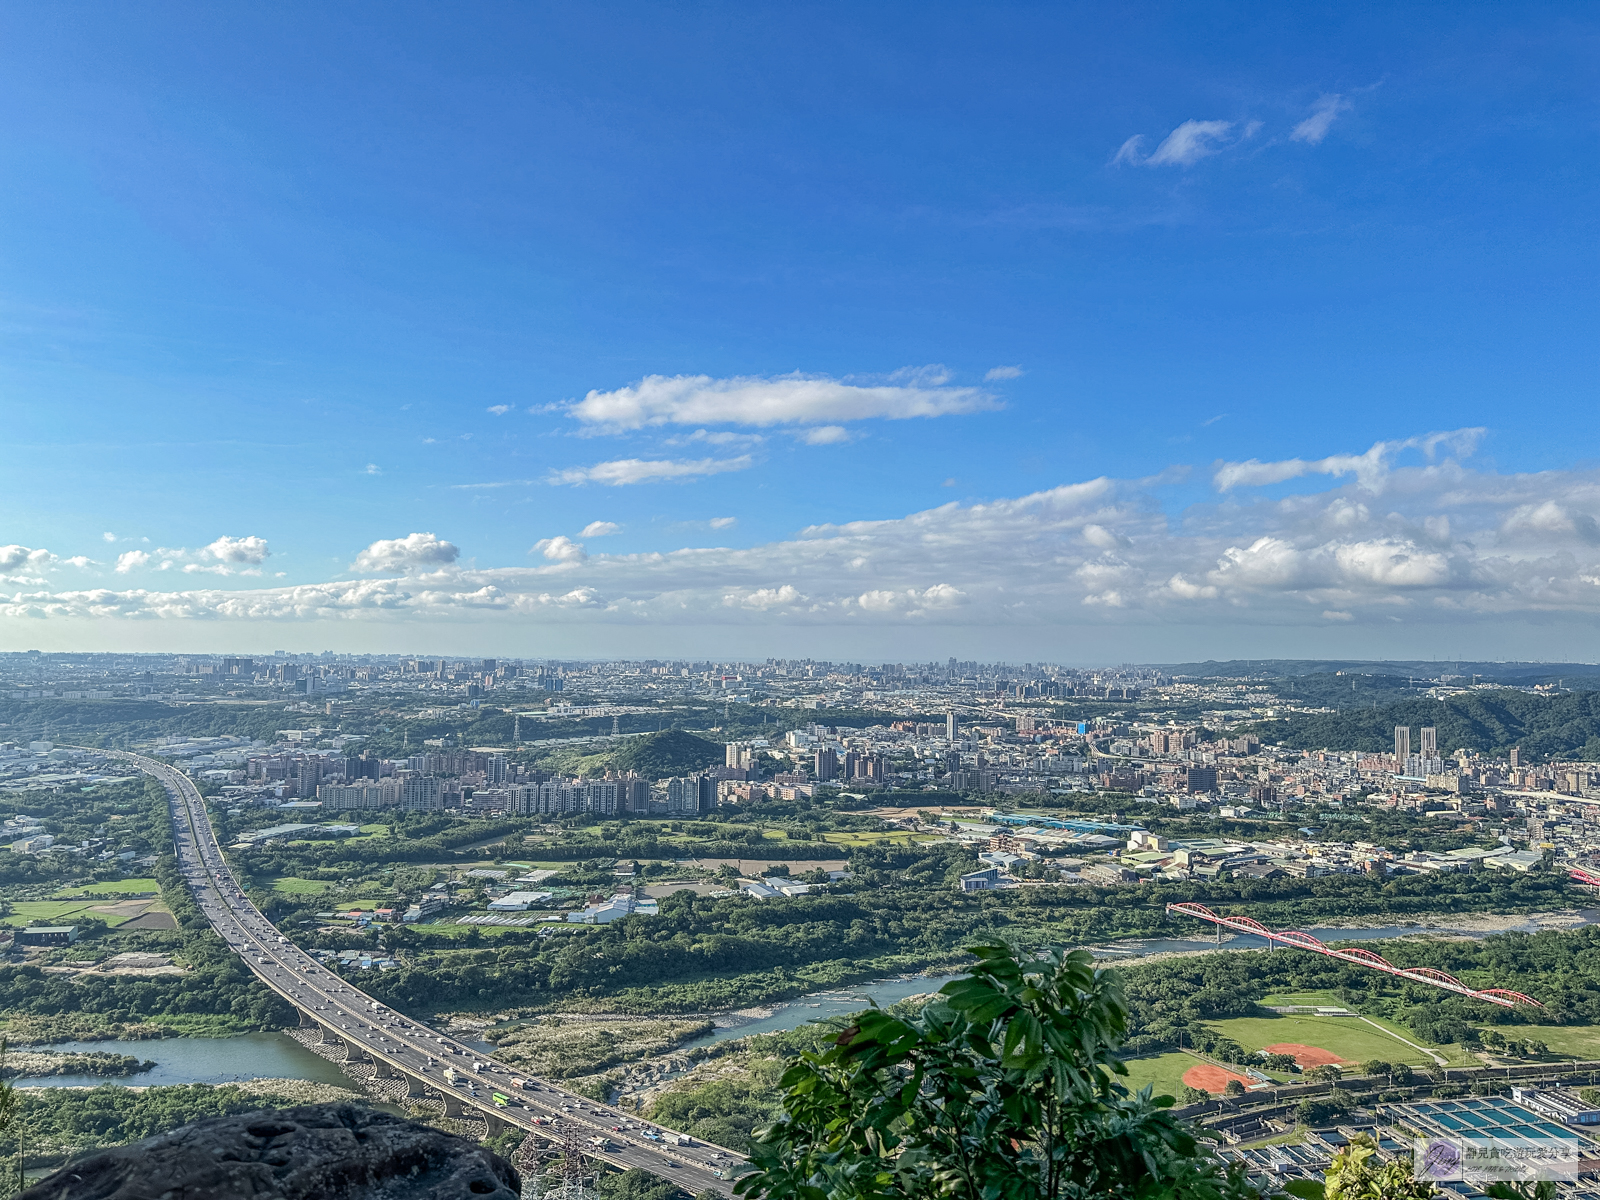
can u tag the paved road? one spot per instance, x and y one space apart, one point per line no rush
404 1045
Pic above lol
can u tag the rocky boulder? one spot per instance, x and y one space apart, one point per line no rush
314 1152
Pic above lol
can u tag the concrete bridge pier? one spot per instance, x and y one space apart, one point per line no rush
381 1069
353 1052
497 1123
414 1088
329 1037
305 1019
452 1106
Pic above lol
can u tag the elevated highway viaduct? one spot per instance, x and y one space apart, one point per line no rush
402 1049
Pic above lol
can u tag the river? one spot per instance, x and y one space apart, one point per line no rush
276 1056
200 1060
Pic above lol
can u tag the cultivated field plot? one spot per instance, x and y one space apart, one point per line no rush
1348 1039
290 885
123 887
68 912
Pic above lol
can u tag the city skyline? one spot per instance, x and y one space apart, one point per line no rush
1016 334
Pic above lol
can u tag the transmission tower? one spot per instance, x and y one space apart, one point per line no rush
564 1175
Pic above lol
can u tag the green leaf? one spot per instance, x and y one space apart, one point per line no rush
1305 1189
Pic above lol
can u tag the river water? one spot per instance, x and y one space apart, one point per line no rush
276 1056
200 1060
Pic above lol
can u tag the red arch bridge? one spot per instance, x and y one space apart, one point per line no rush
1360 958
1584 875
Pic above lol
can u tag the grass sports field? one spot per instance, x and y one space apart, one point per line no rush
1162 1073
1566 1041
1350 1039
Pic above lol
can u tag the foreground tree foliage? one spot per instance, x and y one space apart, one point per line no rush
1002 1088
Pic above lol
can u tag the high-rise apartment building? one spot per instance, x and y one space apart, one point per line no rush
1430 741
825 765
1402 743
420 793
690 795
950 726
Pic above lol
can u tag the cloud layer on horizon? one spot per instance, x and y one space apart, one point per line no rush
1436 542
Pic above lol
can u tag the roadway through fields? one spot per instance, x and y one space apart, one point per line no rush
401 1048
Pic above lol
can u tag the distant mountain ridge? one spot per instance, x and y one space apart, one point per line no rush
1564 726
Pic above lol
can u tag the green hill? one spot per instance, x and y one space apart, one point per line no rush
671 752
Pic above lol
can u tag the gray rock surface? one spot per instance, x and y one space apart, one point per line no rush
314 1152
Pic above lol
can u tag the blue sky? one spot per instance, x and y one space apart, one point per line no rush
281 285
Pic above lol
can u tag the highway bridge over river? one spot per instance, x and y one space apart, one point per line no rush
402 1049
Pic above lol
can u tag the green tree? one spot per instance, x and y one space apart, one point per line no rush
635 1184
1353 1175
1004 1087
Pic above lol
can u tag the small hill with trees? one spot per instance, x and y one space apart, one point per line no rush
671 752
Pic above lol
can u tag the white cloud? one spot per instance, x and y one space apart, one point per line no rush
249 550
722 437
1189 143
1184 590
108 537
596 529
1546 518
130 560
1315 127
782 400
1331 614
624 471
413 552
1101 538
14 556
995 374
723 522
499 410
374 469
80 561
1391 563
560 549
824 435
1131 151
765 598
1370 468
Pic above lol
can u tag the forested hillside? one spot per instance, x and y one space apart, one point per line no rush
1545 727
660 755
